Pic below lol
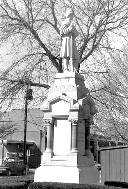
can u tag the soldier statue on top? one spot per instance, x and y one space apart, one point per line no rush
69 53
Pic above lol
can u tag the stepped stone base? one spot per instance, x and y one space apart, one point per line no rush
64 169
66 174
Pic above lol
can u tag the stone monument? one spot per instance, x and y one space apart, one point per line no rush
68 114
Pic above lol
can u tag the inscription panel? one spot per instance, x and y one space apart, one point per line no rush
62 137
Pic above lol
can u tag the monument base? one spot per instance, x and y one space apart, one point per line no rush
68 111
64 170
66 174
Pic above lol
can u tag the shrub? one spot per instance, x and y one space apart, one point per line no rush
117 184
47 185
16 182
20 185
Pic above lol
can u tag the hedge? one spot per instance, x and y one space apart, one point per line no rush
16 179
19 185
117 184
16 182
50 185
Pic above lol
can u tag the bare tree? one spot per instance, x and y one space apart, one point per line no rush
31 29
5 130
112 97
37 23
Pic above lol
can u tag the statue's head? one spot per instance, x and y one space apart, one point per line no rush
69 13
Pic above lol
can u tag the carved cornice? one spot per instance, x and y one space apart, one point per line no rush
62 88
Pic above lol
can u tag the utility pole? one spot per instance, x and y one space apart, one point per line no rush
25 127
28 96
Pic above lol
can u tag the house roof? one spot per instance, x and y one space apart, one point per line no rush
5 142
19 142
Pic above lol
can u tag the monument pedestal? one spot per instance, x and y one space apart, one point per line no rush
66 169
68 112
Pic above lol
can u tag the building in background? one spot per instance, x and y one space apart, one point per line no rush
35 135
